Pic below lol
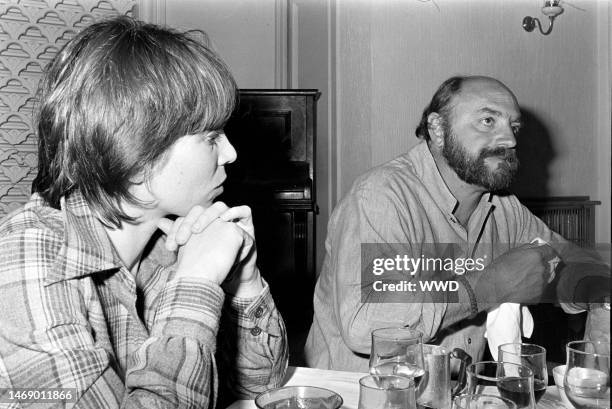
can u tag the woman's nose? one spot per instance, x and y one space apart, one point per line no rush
227 153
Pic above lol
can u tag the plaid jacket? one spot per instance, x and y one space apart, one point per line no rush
72 316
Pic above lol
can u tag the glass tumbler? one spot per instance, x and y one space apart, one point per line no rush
386 392
398 351
587 375
533 357
505 379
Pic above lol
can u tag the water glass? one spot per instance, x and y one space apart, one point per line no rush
505 379
587 376
533 357
482 401
398 351
386 392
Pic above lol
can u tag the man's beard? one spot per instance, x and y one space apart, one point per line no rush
475 170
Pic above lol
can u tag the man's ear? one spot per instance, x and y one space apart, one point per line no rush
435 126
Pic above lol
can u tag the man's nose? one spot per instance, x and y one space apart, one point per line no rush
227 153
507 139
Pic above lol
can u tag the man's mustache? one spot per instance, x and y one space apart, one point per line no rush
508 154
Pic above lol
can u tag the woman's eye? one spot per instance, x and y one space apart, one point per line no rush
211 137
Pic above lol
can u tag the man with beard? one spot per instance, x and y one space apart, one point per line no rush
445 193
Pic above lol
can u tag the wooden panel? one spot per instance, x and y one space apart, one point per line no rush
273 132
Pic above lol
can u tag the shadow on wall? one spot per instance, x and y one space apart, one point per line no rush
535 151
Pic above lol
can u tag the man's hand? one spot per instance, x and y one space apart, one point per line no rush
520 275
216 243
245 281
178 231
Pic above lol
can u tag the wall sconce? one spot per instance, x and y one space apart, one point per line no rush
551 9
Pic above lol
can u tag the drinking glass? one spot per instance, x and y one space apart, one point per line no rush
533 357
386 392
298 397
509 380
587 377
482 401
398 351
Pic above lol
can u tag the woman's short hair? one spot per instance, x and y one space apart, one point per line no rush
113 101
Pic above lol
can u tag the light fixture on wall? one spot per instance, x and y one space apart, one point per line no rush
551 9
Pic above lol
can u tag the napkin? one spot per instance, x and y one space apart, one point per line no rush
506 324
509 321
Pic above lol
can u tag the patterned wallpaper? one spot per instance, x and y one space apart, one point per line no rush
31 33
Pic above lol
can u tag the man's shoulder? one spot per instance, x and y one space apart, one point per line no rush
393 187
507 201
399 172
34 222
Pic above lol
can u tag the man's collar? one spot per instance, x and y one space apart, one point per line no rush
427 169
86 248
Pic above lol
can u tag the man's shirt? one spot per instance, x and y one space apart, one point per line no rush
405 201
73 316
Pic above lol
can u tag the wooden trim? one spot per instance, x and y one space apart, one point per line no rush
281 47
293 40
603 128
151 11
333 129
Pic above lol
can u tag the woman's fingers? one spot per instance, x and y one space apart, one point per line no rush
197 220
169 227
184 230
242 216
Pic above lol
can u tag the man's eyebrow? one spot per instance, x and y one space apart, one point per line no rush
491 111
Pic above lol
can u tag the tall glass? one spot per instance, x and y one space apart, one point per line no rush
587 377
533 357
511 381
386 392
398 351
481 401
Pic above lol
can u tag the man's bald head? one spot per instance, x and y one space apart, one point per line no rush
443 100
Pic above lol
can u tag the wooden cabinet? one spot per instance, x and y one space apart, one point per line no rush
273 132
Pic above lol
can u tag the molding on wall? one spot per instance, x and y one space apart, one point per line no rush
151 11
332 114
281 53
603 137
293 39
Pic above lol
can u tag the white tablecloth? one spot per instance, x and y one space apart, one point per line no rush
347 385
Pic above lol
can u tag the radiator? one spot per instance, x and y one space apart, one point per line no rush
573 217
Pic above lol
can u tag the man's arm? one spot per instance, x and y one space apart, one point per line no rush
584 280
252 347
373 217
379 217
46 337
